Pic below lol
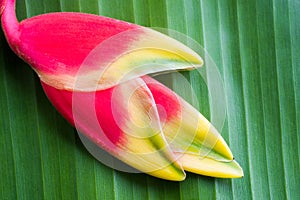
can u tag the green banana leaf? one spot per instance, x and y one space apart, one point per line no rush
254 43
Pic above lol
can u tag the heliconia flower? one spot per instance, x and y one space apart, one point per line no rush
110 99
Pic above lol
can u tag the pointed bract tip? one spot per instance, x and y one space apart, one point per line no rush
210 167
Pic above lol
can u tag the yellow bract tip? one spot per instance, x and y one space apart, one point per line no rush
210 167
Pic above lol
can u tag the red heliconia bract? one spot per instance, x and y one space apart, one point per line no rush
93 69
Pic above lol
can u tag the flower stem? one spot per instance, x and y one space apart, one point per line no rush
10 23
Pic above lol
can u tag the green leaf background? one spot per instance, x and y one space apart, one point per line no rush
255 44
